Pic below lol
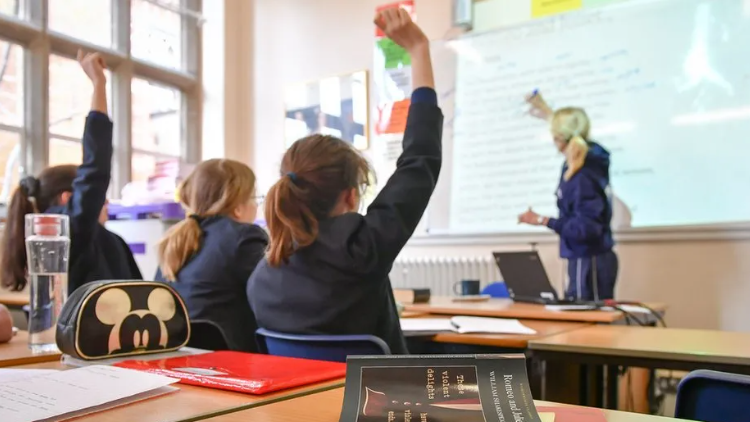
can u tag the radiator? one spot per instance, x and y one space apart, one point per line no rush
441 273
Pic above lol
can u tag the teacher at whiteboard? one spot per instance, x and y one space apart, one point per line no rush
584 203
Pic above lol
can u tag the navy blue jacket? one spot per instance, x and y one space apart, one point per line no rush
585 206
95 252
213 281
339 285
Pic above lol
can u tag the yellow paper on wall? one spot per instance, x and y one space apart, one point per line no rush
541 8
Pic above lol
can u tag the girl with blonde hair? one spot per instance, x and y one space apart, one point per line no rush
584 203
210 255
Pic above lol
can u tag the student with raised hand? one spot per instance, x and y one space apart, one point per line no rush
326 270
79 192
210 255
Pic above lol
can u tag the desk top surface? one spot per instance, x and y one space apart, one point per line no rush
326 407
189 402
512 341
655 343
17 352
506 308
14 299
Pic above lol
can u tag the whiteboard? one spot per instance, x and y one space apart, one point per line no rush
666 84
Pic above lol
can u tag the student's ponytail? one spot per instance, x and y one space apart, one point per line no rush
33 195
214 188
180 243
315 172
14 244
573 124
290 221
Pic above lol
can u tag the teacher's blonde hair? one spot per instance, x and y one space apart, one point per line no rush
573 124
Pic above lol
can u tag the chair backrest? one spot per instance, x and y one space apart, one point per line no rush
207 335
497 290
711 396
317 347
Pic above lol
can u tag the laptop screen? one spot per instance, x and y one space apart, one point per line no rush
524 275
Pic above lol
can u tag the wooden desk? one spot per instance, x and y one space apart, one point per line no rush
506 308
326 407
14 299
511 341
190 403
662 348
645 347
17 352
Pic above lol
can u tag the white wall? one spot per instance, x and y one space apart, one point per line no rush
287 41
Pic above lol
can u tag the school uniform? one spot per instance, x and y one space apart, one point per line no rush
339 285
95 252
213 282
585 206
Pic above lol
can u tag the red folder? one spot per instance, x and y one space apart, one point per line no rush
574 414
242 372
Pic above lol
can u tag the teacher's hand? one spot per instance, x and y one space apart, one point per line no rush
530 217
538 107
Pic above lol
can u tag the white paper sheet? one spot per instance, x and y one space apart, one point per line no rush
7 375
428 325
468 324
58 394
465 324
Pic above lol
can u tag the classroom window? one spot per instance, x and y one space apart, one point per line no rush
155 77
156 118
64 151
10 155
156 32
87 20
69 97
12 7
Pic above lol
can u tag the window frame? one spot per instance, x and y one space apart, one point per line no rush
32 33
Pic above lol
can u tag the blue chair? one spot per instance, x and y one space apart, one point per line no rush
712 396
319 347
497 290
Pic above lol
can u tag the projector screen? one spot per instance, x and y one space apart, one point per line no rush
666 84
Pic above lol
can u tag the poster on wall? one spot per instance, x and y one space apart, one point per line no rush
335 106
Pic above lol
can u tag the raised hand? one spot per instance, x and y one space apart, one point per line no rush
396 23
538 107
93 65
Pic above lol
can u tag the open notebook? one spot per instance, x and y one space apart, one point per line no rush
463 325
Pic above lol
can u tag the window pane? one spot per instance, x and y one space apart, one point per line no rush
156 118
10 154
11 84
88 20
69 96
62 151
12 7
156 33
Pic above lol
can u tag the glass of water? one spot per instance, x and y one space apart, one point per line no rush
47 250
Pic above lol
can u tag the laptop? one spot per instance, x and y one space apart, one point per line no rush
526 279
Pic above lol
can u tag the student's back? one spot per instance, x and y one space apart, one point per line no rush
211 254
80 192
327 268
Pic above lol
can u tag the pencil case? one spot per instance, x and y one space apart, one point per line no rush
108 319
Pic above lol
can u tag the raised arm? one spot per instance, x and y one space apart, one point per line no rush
395 213
93 175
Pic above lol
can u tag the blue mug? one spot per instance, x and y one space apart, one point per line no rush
467 288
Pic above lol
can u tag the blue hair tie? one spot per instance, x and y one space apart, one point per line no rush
292 176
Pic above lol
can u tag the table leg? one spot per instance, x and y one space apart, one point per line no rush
599 388
613 380
584 390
